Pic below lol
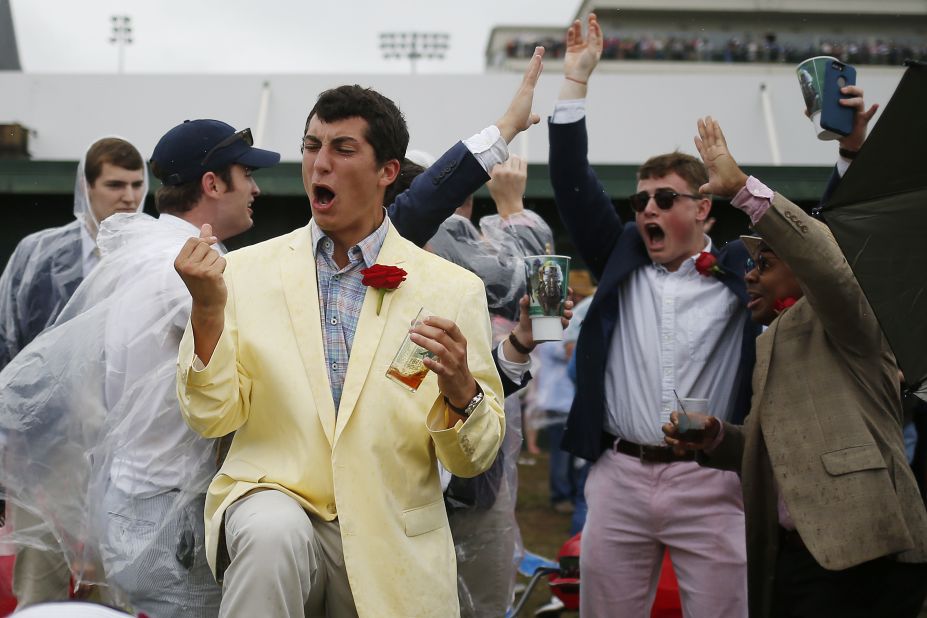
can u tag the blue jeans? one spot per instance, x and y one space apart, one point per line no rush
562 484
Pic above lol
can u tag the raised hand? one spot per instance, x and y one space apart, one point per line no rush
854 141
725 178
518 117
507 185
201 267
582 54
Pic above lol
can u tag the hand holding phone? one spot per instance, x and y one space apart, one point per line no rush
835 117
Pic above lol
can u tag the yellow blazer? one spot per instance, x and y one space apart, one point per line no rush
373 465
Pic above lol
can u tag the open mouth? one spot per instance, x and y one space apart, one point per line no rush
322 195
753 299
654 233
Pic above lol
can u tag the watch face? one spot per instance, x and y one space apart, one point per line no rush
474 403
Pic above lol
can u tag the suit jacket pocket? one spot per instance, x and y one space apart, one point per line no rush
240 470
424 519
853 459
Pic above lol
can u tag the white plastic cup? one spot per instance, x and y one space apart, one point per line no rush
548 279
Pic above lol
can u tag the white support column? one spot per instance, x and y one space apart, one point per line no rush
771 134
263 108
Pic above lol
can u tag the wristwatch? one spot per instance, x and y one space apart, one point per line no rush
467 410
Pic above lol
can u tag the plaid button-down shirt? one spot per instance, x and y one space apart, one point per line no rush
341 296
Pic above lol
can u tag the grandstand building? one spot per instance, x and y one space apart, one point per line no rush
667 63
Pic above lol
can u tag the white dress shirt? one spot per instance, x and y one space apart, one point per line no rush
677 331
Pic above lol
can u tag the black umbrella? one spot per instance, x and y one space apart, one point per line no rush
878 215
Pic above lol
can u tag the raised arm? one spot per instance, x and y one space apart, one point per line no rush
584 205
851 144
201 268
804 244
433 196
581 57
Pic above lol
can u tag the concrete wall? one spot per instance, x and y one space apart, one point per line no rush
635 110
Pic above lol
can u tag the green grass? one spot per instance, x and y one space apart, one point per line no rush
542 530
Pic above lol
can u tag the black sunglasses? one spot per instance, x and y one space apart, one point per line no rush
665 198
243 135
760 263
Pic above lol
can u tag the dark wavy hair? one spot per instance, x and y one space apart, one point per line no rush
386 127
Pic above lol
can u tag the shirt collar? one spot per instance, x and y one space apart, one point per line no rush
368 249
689 263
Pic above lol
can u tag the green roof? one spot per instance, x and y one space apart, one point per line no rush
57 178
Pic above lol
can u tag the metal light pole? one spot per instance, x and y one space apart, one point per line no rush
122 36
414 46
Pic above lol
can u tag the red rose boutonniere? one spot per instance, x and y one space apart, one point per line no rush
782 304
383 278
707 265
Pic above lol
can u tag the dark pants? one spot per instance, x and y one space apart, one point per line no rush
562 476
882 587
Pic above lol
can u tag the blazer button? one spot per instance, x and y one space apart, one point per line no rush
331 508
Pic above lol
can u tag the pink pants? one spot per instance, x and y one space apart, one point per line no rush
635 510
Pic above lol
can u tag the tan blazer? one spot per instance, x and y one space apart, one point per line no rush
267 381
825 421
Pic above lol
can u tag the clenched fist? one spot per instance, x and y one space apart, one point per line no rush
201 267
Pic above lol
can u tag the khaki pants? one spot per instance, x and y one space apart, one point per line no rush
283 563
39 575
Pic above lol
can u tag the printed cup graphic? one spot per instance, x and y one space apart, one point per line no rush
407 368
548 279
692 429
811 79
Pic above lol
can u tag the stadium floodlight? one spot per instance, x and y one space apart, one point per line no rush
414 46
121 36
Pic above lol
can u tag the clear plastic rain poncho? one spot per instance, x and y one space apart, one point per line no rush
481 511
495 253
44 271
89 409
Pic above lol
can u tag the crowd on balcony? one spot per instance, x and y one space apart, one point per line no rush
746 48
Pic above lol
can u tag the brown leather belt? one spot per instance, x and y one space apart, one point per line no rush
651 454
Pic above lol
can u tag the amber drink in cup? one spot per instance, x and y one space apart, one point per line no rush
408 369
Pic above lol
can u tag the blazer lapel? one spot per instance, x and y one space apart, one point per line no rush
302 298
369 333
764 345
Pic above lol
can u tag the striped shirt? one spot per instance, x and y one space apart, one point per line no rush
341 296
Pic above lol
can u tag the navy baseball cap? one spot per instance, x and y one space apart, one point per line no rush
195 147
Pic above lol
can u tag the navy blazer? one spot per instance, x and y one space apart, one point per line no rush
613 250
433 196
